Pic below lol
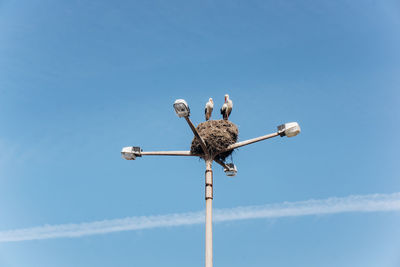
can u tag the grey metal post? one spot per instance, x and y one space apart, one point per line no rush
208 192
209 198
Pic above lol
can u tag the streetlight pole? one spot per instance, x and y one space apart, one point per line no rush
209 199
208 193
182 110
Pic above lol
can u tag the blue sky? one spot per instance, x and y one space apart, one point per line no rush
81 79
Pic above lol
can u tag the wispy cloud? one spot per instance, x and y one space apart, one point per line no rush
361 203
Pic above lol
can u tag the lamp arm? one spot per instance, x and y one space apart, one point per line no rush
198 137
250 141
167 153
220 162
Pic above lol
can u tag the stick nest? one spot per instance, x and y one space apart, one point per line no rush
218 135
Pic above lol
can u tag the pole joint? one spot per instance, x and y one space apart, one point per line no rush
209 192
209 181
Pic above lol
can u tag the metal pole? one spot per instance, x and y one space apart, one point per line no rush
250 141
201 141
167 153
209 198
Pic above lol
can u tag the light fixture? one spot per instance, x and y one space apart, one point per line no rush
230 169
131 152
181 108
289 129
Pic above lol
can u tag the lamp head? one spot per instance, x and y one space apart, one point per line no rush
231 170
131 152
289 129
181 108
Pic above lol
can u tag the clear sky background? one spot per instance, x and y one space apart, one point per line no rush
81 79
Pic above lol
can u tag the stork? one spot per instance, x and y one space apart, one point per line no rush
209 108
226 108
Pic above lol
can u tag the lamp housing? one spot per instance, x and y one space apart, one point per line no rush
181 108
289 129
131 152
230 169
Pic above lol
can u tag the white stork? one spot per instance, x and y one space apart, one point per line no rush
209 108
226 108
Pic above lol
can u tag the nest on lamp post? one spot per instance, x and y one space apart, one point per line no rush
218 135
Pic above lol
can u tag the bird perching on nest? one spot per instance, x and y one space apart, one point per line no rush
209 108
226 108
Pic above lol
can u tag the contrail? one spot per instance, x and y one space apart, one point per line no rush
360 203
